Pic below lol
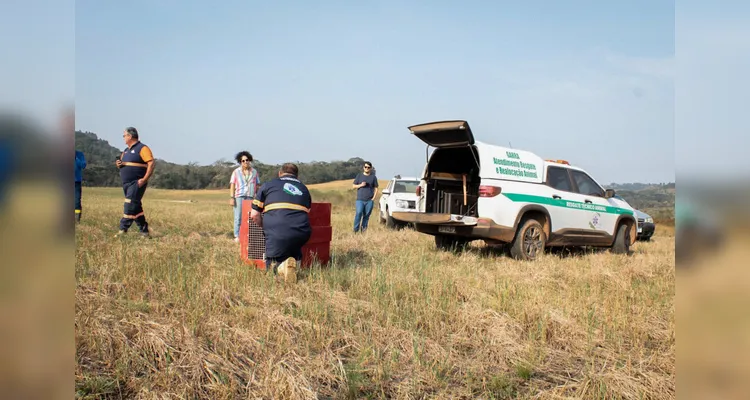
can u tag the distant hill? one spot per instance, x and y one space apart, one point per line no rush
641 186
656 199
101 170
647 196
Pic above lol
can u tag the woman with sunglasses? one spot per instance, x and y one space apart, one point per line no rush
242 186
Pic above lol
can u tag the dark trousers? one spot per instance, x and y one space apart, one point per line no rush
78 206
133 210
282 245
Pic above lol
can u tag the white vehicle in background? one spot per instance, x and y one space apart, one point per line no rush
400 195
472 190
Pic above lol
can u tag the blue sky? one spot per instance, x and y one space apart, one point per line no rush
299 81
712 91
598 83
37 66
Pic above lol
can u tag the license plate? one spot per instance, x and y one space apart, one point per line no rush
447 229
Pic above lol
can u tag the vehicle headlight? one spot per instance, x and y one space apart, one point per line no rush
402 204
649 220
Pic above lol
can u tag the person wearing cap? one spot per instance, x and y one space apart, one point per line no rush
281 208
136 164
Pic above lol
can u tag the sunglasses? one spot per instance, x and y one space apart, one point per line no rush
366 167
244 160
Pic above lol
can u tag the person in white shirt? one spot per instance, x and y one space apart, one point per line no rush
243 185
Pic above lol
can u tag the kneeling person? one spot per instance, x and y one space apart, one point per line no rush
281 208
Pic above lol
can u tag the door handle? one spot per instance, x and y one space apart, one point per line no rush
588 201
554 196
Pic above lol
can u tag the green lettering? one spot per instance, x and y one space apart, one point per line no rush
516 172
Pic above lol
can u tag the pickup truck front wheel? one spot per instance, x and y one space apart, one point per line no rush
389 221
393 223
622 239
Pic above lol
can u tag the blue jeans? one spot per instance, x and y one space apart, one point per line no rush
238 213
362 215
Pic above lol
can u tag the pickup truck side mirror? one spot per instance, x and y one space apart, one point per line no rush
386 191
609 193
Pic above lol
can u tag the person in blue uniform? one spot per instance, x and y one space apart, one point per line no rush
281 208
80 161
8 151
136 164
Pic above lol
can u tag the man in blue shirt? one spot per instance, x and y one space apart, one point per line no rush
80 165
281 208
366 184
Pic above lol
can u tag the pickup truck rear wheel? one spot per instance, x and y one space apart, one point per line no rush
529 242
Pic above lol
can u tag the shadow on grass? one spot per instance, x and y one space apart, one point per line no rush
489 251
337 273
572 252
349 259
558 251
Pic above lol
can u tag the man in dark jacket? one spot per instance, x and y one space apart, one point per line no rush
136 164
281 208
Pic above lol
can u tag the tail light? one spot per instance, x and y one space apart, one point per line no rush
489 191
419 191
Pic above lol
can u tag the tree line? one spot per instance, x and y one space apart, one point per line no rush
101 169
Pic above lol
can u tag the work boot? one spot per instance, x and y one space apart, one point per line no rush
120 233
288 270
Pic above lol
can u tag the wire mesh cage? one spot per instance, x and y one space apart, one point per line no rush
256 241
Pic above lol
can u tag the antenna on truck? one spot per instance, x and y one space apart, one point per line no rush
510 145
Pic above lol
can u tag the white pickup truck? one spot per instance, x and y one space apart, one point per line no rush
400 195
472 190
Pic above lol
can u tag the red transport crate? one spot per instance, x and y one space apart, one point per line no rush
318 248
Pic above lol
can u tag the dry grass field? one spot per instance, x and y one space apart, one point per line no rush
180 316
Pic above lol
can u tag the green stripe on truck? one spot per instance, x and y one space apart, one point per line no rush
527 198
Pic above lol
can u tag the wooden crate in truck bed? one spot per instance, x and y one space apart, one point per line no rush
447 176
453 203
